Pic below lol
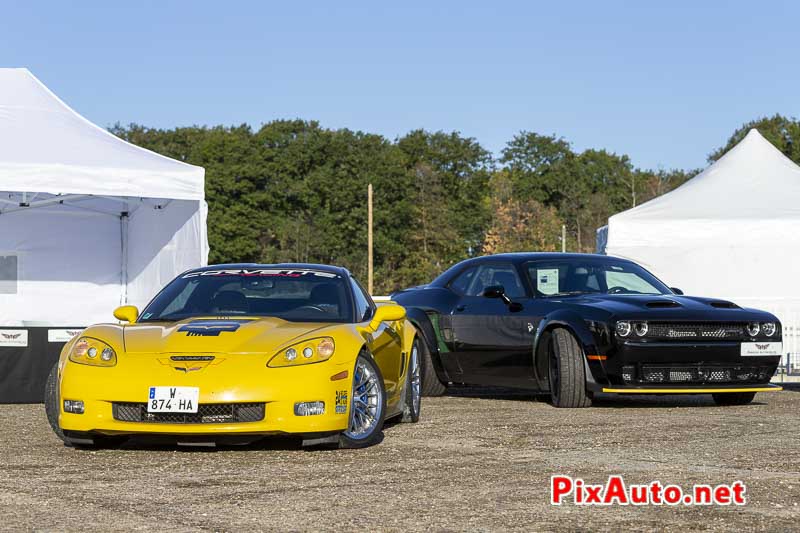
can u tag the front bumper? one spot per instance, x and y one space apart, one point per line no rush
680 366
108 393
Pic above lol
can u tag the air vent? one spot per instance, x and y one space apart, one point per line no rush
662 304
722 304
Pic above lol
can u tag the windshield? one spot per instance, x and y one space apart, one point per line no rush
605 276
294 295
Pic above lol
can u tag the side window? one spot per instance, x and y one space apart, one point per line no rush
461 283
363 305
496 274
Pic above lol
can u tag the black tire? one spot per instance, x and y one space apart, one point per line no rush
567 372
412 403
431 386
349 440
52 405
733 398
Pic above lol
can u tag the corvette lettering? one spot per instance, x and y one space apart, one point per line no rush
261 273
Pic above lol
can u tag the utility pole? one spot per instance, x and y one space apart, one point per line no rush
369 238
563 238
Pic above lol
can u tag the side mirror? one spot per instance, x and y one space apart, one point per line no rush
676 290
127 313
494 291
498 291
386 313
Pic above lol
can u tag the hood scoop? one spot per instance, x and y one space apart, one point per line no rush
722 304
662 304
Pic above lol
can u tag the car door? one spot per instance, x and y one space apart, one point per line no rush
491 341
386 345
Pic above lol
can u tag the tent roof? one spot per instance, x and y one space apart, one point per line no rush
753 180
45 146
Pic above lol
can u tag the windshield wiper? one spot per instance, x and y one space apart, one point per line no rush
569 293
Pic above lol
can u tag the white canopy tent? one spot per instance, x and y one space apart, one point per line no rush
87 220
733 232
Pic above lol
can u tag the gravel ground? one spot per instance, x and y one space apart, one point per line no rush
475 461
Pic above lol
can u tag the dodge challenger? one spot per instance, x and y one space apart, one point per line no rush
573 325
234 353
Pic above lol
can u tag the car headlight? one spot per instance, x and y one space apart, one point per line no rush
753 328
623 328
89 351
303 353
769 328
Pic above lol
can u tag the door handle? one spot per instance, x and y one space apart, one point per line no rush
460 308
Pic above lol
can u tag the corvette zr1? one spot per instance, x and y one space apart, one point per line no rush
234 353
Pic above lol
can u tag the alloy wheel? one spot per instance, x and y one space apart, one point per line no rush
367 402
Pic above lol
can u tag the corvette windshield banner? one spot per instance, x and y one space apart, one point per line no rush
262 272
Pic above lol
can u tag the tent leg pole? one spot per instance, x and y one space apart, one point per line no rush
123 219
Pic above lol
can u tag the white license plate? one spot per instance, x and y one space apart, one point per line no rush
173 400
762 348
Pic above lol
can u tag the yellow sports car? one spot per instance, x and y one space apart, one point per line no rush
233 353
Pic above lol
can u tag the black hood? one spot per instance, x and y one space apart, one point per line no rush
667 307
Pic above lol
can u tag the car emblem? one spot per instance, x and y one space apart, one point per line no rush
187 369
762 346
190 363
11 336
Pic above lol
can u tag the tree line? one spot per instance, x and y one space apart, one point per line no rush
293 191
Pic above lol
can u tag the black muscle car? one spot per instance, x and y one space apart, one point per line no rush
577 324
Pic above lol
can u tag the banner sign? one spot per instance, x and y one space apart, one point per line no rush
61 335
13 337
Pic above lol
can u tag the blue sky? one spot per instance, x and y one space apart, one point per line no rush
665 83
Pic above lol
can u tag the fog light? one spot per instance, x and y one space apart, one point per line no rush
628 373
73 406
309 408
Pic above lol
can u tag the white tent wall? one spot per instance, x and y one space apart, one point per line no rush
163 240
67 272
72 264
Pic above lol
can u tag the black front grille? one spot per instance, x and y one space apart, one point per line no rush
699 374
207 413
700 331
